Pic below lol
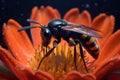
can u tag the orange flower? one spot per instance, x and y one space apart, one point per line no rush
22 57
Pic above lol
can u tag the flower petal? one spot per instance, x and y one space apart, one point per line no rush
10 61
84 18
34 75
111 48
105 24
112 76
74 15
5 73
109 57
43 76
7 77
2 64
107 66
43 16
22 72
17 42
77 76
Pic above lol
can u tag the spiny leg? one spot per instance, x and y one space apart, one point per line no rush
48 53
75 56
82 56
72 43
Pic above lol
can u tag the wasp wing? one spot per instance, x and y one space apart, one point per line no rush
82 29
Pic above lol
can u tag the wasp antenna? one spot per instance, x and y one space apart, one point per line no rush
27 27
33 21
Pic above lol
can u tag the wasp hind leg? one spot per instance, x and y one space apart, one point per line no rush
82 55
48 53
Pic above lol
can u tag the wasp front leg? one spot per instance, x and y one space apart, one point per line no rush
55 43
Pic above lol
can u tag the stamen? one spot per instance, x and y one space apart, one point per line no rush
60 61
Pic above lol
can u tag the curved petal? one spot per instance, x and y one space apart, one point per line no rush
112 76
18 42
2 64
22 72
108 66
10 61
109 57
84 18
7 77
111 48
43 76
5 73
74 15
33 75
77 76
105 24
43 16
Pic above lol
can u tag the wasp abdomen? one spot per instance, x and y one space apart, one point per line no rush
90 44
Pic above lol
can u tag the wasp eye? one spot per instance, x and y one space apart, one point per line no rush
46 35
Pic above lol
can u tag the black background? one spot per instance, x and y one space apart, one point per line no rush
20 9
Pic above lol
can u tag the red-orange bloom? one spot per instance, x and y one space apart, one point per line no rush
22 57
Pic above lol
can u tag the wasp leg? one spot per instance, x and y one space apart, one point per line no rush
48 53
72 43
82 56
75 56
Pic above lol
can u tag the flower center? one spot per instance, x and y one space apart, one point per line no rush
60 61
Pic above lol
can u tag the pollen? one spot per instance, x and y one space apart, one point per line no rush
60 61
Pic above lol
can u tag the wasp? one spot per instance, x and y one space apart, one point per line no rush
59 28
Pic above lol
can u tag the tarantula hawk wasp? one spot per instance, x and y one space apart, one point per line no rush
59 28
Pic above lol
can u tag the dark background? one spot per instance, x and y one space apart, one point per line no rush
20 9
